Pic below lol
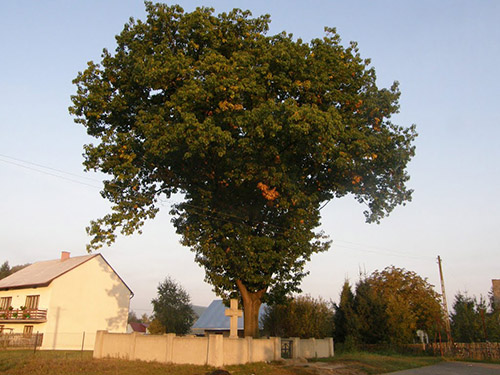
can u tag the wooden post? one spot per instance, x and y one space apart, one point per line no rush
445 304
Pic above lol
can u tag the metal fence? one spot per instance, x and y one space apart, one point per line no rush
20 341
468 351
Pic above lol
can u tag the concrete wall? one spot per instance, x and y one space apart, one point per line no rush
214 350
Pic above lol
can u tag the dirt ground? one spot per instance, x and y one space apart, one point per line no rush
324 368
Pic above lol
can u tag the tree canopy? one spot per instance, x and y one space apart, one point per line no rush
255 131
411 302
7 270
301 316
132 317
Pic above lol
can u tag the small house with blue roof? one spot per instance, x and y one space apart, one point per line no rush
214 321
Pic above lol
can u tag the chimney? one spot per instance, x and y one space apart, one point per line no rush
64 255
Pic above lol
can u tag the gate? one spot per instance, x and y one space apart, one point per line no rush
286 349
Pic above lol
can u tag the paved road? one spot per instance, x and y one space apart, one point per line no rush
453 368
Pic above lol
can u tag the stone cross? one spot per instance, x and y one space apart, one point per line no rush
233 314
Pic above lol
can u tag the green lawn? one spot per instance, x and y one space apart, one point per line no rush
24 362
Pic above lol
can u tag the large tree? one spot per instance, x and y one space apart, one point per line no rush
256 132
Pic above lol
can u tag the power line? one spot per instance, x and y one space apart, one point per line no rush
387 253
49 173
50 168
379 250
222 216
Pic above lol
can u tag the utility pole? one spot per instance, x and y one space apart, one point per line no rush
445 304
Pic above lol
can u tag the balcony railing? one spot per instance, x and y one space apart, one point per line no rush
18 315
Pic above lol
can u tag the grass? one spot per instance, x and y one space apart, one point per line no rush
24 362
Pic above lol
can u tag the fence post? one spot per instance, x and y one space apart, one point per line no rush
132 342
99 343
249 349
296 347
83 342
331 347
215 355
277 348
36 341
169 343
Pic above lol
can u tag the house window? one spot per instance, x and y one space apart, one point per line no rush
32 302
28 331
5 303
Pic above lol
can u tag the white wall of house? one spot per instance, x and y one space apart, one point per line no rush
85 299
88 298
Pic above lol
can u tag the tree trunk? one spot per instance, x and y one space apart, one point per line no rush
251 306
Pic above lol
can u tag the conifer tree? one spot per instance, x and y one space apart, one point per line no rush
371 312
172 308
346 322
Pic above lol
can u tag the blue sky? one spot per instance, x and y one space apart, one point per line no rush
445 55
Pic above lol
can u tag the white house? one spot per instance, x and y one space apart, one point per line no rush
67 300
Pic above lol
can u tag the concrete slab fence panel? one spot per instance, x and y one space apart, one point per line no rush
264 350
194 350
312 348
152 348
235 351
